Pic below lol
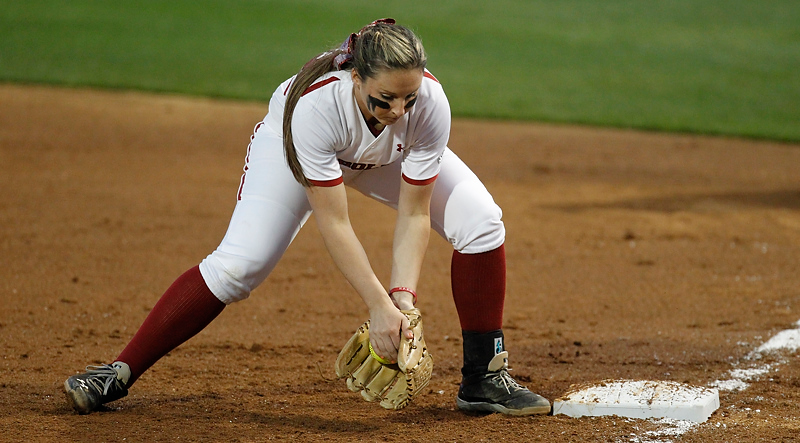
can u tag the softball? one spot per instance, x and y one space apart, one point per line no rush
382 361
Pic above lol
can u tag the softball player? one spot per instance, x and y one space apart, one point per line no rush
370 116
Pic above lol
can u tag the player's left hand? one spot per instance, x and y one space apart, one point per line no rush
393 384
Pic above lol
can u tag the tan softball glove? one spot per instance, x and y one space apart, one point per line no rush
394 385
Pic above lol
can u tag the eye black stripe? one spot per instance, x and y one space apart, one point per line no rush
411 102
377 103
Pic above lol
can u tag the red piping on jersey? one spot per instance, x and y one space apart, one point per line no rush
318 85
327 183
430 76
313 87
411 181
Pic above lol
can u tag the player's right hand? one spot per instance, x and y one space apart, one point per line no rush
386 326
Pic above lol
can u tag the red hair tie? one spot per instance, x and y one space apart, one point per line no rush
347 46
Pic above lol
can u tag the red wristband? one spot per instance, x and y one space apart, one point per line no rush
404 289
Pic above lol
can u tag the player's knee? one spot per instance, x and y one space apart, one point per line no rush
228 283
483 230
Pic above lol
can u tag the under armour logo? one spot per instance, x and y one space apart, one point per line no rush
399 147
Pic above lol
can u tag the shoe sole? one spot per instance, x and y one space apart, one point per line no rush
494 407
77 399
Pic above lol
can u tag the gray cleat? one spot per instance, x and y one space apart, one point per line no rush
98 385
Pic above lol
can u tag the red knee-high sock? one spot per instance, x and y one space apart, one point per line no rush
479 289
185 309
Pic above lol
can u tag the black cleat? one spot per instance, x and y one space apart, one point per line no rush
496 391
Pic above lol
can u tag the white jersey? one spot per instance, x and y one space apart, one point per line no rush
334 143
334 146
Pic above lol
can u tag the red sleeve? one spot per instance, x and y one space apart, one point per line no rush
411 181
327 183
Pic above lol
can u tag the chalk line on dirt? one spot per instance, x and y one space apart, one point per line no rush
747 369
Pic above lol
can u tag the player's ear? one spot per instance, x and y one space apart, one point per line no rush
356 78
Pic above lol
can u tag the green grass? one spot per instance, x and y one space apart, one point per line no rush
717 67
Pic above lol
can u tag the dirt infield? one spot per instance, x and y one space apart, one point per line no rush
631 255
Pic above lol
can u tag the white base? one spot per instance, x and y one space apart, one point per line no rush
639 399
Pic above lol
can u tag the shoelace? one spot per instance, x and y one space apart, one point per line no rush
101 377
506 380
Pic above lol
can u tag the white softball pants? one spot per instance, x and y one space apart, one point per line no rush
272 207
